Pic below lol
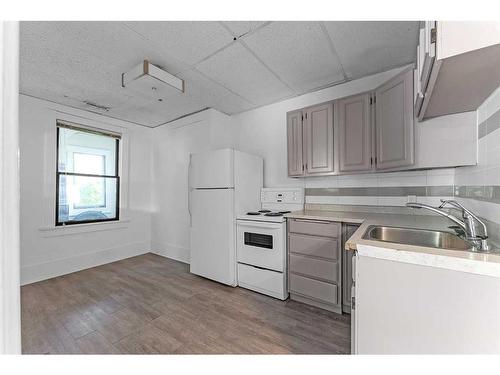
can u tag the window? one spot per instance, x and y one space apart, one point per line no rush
87 178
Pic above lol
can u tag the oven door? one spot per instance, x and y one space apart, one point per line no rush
261 244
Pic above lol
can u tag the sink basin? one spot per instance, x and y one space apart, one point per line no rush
417 237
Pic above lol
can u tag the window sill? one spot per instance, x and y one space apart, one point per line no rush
65 230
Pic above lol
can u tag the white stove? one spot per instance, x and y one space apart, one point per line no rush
275 204
261 242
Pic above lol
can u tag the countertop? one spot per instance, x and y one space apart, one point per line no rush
468 261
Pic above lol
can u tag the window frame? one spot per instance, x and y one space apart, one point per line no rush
116 176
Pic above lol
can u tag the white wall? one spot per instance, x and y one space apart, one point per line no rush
10 316
47 251
173 143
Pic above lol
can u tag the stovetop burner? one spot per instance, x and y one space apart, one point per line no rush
273 214
268 213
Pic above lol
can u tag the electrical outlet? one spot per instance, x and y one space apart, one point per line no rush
412 198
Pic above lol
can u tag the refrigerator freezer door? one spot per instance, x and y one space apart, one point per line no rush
213 252
212 169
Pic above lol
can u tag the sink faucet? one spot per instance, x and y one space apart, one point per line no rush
480 242
468 217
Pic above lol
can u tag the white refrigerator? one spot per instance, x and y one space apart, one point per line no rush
222 184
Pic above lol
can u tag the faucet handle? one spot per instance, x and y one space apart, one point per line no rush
458 230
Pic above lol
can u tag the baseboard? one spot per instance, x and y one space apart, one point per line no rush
181 254
38 272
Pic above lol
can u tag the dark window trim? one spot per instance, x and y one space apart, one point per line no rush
58 174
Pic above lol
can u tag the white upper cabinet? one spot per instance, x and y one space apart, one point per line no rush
354 123
318 137
394 122
458 64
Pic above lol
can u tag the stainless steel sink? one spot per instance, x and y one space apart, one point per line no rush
417 237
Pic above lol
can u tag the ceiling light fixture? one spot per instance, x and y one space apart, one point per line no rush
149 78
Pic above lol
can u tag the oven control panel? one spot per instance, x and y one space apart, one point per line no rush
283 195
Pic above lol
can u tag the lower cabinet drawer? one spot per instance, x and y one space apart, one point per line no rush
322 269
315 227
263 281
323 247
313 288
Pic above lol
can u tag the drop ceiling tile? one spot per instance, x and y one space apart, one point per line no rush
369 47
211 94
113 43
232 104
74 62
188 41
299 52
59 64
240 28
154 113
238 70
69 73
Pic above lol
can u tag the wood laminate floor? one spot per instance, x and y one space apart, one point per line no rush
151 304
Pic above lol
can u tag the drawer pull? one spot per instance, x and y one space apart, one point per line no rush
312 221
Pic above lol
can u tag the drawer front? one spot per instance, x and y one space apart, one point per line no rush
263 281
323 247
315 228
322 269
313 288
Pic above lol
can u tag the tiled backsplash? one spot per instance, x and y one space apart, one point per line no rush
382 189
478 187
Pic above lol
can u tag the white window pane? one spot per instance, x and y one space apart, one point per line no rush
89 163
83 198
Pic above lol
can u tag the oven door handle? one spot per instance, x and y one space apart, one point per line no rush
266 225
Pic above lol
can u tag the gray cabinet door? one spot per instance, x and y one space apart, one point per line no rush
355 133
294 143
318 137
394 122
